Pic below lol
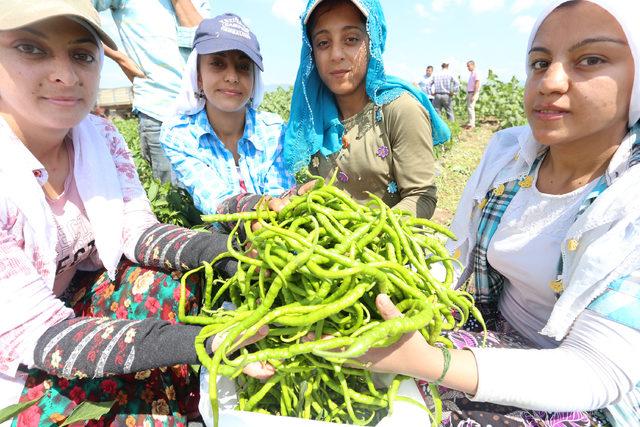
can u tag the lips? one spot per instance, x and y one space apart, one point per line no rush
64 101
230 92
338 73
549 112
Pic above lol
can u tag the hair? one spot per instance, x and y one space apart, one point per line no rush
569 3
444 65
326 6
430 66
471 61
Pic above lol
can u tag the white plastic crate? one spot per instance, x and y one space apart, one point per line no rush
404 413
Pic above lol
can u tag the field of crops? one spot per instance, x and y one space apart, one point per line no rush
499 106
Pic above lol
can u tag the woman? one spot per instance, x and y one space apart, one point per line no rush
71 200
346 113
553 240
220 147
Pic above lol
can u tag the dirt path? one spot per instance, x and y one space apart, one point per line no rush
456 165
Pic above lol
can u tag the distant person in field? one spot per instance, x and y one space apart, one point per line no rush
347 115
444 86
222 149
425 83
473 92
157 36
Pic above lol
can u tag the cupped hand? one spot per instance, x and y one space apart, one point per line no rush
402 357
257 370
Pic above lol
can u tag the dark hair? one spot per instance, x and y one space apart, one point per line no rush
444 65
430 66
569 3
471 61
326 6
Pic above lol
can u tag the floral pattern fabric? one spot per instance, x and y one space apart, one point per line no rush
158 397
459 411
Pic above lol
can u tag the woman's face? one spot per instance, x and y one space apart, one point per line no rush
340 49
226 79
49 74
580 77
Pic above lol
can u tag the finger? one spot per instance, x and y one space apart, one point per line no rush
262 332
259 370
277 204
255 226
386 308
306 186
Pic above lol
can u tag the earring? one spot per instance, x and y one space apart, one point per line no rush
199 94
251 101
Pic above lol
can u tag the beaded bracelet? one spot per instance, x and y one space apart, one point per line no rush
447 361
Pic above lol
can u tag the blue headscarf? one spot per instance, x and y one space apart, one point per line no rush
314 123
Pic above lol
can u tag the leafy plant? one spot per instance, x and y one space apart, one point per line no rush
500 102
278 101
169 203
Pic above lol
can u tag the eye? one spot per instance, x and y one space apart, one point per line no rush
246 67
321 44
591 61
87 58
30 49
217 63
539 64
352 40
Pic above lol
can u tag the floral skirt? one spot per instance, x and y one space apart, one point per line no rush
157 397
458 411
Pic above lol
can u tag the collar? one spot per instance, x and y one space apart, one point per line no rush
202 127
17 156
530 150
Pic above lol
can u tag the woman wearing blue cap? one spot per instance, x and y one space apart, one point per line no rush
220 147
346 113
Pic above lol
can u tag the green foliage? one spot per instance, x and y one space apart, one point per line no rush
88 411
170 204
500 102
455 128
13 410
278 101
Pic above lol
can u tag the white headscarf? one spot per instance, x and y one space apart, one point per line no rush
626 13
187 101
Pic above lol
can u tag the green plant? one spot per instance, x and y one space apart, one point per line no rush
278 101
170 204
499 102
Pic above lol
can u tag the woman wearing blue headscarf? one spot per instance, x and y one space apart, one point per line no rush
346 113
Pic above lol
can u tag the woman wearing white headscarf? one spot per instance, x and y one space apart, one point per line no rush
220 147
549 224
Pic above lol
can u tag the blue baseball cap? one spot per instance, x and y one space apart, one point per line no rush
227 32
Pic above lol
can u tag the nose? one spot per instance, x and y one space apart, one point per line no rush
337 53
555 79
64 71
231 76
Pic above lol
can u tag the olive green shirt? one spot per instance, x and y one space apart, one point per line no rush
391 158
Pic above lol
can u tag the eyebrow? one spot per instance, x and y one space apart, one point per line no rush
40 34
345 28
582 43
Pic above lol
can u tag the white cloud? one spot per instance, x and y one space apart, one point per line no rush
421 10
523 23
441 5
479 6
520 5
288 10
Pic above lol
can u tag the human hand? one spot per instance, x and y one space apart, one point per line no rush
130 68
276 204
257 370
405 356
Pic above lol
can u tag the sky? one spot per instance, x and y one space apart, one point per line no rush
494 33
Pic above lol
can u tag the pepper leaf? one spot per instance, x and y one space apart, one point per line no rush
88 411
13 410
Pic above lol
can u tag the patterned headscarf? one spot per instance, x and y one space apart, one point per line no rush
314 124
626 13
